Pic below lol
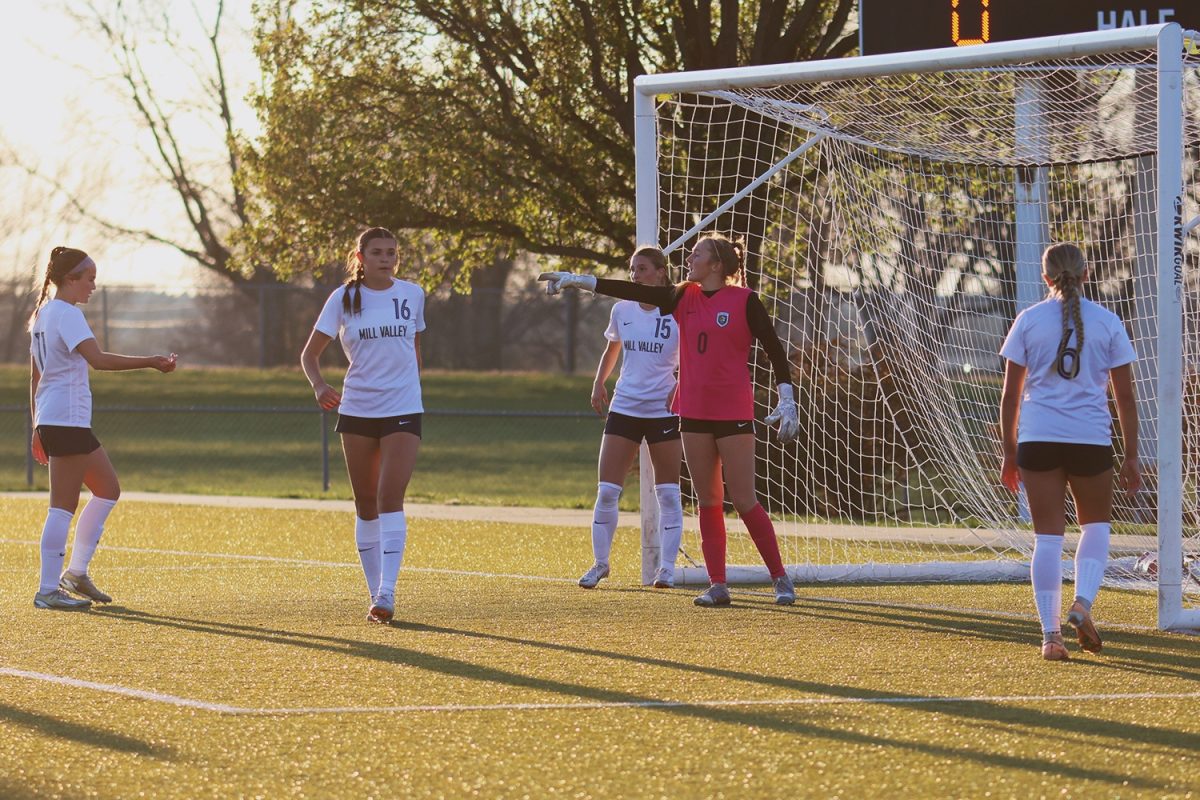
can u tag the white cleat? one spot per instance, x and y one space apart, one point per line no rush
715 595
82 585
60 600
383 608
664 578
593 576
785 591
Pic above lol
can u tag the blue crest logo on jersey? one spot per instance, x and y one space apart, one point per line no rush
722 318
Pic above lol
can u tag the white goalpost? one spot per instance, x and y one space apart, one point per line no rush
895 208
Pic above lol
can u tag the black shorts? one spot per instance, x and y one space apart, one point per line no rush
379 427
652 429
59 440
1084 460
719 428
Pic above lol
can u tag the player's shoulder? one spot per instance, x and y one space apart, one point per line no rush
407 287
1097 311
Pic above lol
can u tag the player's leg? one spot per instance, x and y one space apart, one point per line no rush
1047 493
362 467
617 452
398 458
737 455
665 457
101 480
704 465
1093 501
66 479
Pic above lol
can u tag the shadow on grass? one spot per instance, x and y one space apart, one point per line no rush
79 733
779 720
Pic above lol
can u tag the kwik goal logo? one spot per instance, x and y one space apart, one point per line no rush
722 318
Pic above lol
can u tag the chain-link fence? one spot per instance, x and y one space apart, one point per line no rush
263 325
500 457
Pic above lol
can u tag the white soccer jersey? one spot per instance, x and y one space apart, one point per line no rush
382 380
649 358
1056 408
63 395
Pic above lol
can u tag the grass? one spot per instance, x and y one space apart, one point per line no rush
836 696
488 460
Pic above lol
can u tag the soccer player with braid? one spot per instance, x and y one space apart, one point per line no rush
379 320
647 342
719 321
62 348
1056 429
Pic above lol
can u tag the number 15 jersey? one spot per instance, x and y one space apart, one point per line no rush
380 343
649 355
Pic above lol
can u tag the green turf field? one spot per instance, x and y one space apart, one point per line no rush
244 631
488 460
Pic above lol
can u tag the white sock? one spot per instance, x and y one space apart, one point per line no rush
1046 571
54 547
1091 557
670 523
367 540
88 531
604 520
393 530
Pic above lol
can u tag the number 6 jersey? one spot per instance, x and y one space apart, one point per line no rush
383 380
649 355
1055 408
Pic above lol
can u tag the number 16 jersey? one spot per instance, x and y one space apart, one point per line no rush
380 344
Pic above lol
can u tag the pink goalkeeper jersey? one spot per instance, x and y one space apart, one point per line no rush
714 355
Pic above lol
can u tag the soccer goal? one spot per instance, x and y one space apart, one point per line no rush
895 209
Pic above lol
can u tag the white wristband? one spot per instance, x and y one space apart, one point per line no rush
786 392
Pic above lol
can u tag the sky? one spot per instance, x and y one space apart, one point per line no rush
65 115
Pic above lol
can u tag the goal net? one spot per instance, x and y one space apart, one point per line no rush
895 210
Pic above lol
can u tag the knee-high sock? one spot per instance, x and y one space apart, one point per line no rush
604 520
367 540
712 542
88 531
670 523
54 547
763 534
1091 557
1046 572
393 530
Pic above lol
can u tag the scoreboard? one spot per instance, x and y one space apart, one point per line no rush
893 26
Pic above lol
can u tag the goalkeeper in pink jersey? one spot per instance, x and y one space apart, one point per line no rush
719 322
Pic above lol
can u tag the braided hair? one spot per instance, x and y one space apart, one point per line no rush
1065 266
63 260
731 253
354 266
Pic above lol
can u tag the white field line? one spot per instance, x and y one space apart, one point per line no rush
222 708
305 562
301 562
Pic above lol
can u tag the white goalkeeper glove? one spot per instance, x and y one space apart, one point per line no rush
557 281
786 415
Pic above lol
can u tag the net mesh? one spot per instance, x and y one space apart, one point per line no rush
888 252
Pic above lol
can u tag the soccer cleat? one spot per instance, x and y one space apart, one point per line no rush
715 595
1055 651
664 578
383 607
60 600
82 585
593 576
785 591
1080 619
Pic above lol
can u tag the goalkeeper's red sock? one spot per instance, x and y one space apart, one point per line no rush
763 534
712 542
